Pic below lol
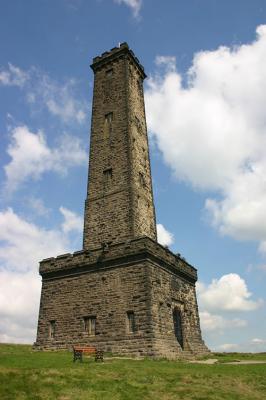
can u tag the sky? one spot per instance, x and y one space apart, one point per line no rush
205 99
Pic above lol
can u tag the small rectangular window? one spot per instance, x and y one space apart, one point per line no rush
52 329
131 326
141 179
90 325
107 176
109 73
109 118
108 125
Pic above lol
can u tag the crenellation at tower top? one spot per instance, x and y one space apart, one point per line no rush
115 53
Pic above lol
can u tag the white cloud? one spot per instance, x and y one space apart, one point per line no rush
59 99
13 76
212 322
258 341
43 92
135 5
254 345
165 237
228 347
22 246
31 156
168 62
23 243
229 293
211 130
19 305
37 205
72 221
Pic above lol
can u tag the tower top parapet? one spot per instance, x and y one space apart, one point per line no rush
115 53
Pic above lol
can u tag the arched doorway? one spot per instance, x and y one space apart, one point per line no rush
177 320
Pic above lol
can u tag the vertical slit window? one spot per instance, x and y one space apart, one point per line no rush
107 177
108 124
131 324
160 317
52 329
109 73
90 325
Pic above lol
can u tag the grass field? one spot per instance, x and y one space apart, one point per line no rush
26 374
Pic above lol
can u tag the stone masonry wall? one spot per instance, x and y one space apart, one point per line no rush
108 295
119 205
138 276
143 205
170 292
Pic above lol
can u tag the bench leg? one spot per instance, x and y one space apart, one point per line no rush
99 355
77 356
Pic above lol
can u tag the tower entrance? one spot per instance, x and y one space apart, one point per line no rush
177 321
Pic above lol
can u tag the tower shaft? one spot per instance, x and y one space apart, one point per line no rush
119 204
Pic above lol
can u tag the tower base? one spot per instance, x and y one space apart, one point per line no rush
133 298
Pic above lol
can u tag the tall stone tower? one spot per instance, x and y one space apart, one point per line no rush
123 292
119 206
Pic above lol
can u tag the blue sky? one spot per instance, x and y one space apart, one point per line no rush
205 102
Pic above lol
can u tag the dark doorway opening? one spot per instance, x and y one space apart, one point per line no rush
177 319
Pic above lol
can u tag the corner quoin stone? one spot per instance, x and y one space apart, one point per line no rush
123 292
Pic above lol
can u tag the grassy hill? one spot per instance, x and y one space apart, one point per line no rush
26 374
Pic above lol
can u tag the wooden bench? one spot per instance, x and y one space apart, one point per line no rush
78 352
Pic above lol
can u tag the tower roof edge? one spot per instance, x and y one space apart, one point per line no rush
114 53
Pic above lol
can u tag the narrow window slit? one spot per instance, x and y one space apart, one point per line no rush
107 176
131 325
52 329
90 325
109 73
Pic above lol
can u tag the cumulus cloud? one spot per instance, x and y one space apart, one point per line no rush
19 304
31 156
59 99
165 237
217 323
43 92
135 5
258 341
168 62
229 293
211 129
228 347
219 300
72 221
254 345
22 245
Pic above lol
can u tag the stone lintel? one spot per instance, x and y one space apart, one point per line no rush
116 255
115 53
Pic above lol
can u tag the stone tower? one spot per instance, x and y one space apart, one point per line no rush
123 292
119 206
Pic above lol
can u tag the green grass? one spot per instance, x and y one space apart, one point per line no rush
26 374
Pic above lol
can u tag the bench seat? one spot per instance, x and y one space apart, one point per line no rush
78 352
